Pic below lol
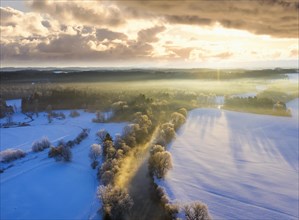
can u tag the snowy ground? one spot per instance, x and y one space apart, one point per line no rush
293 77
243 166
37 187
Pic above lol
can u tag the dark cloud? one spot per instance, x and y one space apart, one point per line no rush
103 34
278 18
150 34
78 47
46 24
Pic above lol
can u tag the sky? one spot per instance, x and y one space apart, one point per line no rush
150 33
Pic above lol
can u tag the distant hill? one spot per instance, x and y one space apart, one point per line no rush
29 75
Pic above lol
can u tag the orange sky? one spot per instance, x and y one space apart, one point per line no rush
185 34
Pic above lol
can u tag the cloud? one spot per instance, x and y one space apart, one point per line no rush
202 54
83 12
16 23
122 31
278 18
48 41
294 53
150 34
103 34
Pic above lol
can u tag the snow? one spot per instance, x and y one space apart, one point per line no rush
38 187
241 165
294 106
15 103
23 137
293 77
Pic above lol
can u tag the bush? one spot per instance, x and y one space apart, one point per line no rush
116 201
160 163
54 152
74 114
66 153
61 115
11 154
83 134
62 152
70 144
41 144
197 211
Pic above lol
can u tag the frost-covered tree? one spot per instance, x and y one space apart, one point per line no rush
118 141
129 134
101 135
157 148
143 126
108 149
95 151
166 134
94 154
160 163
107 177
177 119
116 201
183 111
111 165
196 211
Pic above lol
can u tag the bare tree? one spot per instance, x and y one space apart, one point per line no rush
101 134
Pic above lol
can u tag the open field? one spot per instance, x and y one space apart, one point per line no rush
37 187
241 165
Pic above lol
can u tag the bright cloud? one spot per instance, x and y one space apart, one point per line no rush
177 33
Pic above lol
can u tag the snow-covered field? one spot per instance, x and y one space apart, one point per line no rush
37 187
243 166
293 77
